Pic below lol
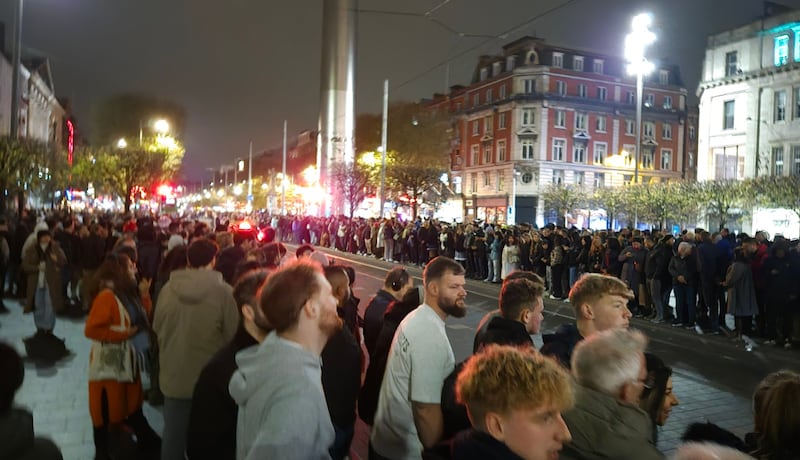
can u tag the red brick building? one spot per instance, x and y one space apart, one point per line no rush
540 114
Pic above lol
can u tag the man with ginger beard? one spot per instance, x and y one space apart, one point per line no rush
278 386
409 415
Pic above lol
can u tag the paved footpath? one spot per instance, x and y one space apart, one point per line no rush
58 394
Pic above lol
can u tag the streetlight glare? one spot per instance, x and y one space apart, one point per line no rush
641 21
161 126
122 143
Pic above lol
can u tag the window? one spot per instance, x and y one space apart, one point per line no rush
780 106
484 73
600 125
691 160
666 159
627 179
501 121
558 177
502 92
487 179
796 160
602 93
510 63
731 63
630 128
473 157
558 149
457 185
580 178
476 99
527 149
599 153
561 119
777 161
488 125
649 100
582 92
579 152
527 117
580 121
500 181
631 98
489 96
501 150
647 159
561 88
598 66
473 182
487 154
666 131
628 152
667 102
797 103
728 162
692 132
649 129
599 180
529 86
577 63
496 69
558 60
663 77
475 128
728 113
781 50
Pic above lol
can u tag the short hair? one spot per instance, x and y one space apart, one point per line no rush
708 451
502 378
591 286
683 245
607 360
42 233
201 252
396 279
777 424
764 386
517 295
287 290
523 275
303 249
13 372
439 267
245 291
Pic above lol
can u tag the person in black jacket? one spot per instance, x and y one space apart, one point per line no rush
395 286
600 303
212 423
659 279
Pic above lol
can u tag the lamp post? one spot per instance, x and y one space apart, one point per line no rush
161 126
512 209
635 43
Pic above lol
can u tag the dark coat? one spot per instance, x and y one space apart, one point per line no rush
30 265
477 445
561 343
341 377
373 318
17 441
504 332
684 266
212 423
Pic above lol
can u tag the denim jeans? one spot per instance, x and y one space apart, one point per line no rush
685 303
176 426
489 269
43 315
573 276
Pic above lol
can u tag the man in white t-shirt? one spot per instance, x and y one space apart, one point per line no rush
409 415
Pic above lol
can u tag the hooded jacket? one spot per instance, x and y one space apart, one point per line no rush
561 343
195 317
477 445
282 409
17 441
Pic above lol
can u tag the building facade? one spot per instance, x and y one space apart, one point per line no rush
41 116
541 114
749 92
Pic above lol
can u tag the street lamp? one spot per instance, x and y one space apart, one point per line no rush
512 209
160 125
635 43
122 143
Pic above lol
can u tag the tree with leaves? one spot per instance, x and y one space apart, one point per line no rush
418 139
612 200
126 115
724 199
352 179
778 192
563 198
26 165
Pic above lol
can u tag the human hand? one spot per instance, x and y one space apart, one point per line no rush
144 286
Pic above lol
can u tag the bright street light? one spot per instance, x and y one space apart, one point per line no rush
161 126
122 143
635 43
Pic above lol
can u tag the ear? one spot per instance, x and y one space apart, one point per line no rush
587 311
524 315
248 313
310 309
626 391
494 425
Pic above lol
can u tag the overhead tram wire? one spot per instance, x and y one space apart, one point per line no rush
503 34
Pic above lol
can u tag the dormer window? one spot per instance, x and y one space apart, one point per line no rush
558 60
496 69
510 61
663 77
577 63
484 73
598 66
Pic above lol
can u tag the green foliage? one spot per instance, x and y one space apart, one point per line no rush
612 199
30 165
352 179
417 139
778 192
121 115
564 198
724 200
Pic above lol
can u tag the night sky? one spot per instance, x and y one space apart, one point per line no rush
240 67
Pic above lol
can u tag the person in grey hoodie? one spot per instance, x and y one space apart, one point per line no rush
278 386
196 315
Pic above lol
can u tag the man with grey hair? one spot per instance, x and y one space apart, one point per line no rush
685 278
708 451
606 422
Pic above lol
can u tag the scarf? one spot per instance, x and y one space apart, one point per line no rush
141 340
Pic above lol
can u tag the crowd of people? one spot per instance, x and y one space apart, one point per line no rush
255 352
